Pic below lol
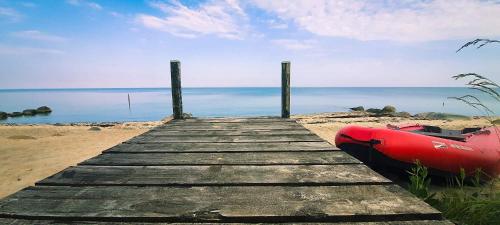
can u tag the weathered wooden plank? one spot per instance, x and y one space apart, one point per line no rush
231 126
236 120
240 158
178 123
168 132
218 203
222 147
146 138
10 221
290 175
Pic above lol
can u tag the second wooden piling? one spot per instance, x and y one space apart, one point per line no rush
285 89
175 72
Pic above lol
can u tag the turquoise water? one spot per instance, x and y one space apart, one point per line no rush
108 105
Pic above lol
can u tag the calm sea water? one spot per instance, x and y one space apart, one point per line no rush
107 105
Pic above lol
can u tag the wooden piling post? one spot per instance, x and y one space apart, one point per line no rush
285 89
175 75
128 95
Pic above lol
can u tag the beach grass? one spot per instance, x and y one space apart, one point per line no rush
465 201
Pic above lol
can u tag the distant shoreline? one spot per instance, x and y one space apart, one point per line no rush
98 124
444 116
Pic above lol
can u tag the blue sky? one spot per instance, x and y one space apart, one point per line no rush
118 43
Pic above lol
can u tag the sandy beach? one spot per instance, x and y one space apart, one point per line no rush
29 153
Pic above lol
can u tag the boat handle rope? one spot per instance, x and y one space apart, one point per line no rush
371 142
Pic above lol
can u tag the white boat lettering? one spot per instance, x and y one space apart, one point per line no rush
439 145
461 147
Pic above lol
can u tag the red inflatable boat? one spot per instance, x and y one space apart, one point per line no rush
444 152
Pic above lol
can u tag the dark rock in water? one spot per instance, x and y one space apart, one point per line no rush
357 109
43 110
403 114
15 114
3 115
104 124
29 112
389 109
95 129
373 110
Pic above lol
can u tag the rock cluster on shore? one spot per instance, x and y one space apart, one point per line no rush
358 109
3 115
15 114
43 110
439 116
390 111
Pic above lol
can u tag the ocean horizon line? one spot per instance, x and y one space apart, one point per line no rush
225 87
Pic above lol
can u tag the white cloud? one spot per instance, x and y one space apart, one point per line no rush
38 36
92 5
9 50
277 25
218 17
9 14
410 20
295 44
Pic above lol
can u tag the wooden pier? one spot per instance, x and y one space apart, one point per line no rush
253 170
220 170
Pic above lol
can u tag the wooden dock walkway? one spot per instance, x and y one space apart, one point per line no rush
253 170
